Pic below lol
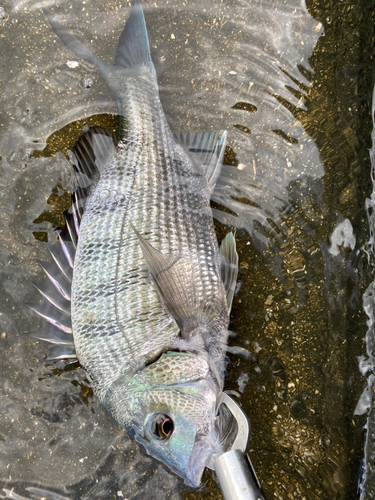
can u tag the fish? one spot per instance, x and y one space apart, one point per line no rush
138 289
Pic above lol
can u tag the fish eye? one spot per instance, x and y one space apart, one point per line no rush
162 427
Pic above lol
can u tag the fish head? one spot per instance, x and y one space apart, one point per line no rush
179 428
173 415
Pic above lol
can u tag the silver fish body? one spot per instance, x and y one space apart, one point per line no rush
149 308
152 184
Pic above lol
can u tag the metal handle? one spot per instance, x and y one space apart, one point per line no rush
237 477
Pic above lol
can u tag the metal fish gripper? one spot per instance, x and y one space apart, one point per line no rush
233 467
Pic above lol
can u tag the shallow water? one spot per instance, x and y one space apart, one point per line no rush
292 85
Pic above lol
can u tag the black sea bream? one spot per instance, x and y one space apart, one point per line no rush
151 291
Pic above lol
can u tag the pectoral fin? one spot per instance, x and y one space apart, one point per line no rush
175 278
229 266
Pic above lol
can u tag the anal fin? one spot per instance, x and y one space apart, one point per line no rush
207 149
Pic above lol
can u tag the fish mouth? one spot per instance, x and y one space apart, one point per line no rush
220 440
200 456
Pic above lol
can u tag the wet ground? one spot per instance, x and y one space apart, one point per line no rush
292 85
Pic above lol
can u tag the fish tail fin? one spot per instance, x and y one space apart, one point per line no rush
78 49
133 48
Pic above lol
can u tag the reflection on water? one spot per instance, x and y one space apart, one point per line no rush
366 362
294 98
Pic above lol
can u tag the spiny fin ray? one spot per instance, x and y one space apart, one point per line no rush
55 308
62 352
54 298
60 261
51 318
53 275
53 336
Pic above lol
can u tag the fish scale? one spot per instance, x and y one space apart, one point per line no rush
148 185
151 290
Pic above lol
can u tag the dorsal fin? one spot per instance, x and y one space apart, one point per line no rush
90 155
92 152
54 308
